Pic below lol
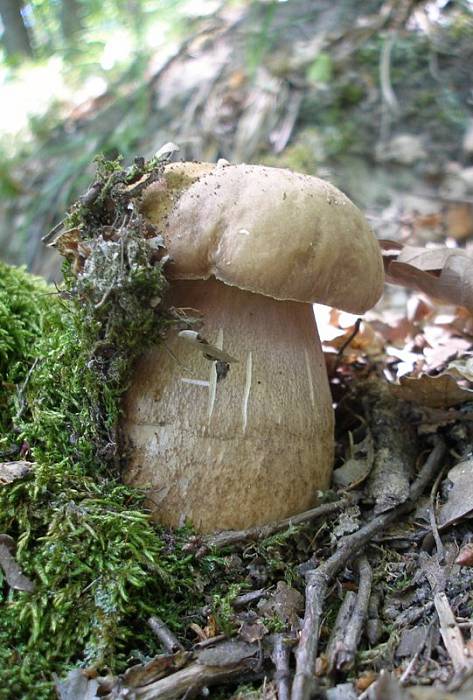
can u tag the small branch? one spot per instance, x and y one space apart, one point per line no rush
190 680
389 96
347 342
241 601
337 636
433 519
319 579
164 634
451 634
231 537
345 657
280 658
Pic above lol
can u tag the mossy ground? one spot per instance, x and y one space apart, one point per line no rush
99 565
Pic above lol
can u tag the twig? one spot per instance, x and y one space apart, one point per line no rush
280 658
319 579
164 634
347 342
433 519
241 601
387 91
451 634
345 657
208 670
231 537
337 636
194 677
22 389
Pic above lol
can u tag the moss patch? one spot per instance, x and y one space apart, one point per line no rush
99 565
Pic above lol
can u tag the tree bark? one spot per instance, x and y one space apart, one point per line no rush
71 18
16 38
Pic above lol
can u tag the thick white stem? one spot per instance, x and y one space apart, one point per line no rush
240 450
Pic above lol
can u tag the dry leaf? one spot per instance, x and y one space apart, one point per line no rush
252 631
435 392
13 573
459 221
442 273
465 555
77 686
11 471
459 502
462 367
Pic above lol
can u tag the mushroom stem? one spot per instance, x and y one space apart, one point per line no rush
227 451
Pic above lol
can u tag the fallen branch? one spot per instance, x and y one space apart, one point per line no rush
230 661
164 634
280 658
231 537
319 579
345 656
337 636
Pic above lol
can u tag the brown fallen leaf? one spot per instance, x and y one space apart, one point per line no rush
252 631
465 555
441 391
459 220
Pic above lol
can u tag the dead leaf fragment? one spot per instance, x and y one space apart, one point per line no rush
459 221
442 273
435 392
465 555
13 574
252 631
77 686
459 503
11 471
463 367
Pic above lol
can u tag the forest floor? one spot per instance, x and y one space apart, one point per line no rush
368 595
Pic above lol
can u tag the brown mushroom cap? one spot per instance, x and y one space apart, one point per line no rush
267 230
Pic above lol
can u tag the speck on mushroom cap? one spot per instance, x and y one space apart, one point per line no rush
269 231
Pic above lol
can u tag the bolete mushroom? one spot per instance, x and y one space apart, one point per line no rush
235 428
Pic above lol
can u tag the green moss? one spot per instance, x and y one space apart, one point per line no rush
100 566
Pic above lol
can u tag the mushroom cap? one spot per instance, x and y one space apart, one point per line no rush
266 230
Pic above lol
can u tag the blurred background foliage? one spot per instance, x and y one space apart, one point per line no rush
375 96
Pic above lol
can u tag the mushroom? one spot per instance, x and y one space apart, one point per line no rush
248 438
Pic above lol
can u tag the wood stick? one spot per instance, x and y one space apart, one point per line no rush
231 537
345 657
164 634
280 658
319 579
193 678
337 636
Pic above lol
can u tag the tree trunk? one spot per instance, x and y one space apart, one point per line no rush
71 19
16 38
